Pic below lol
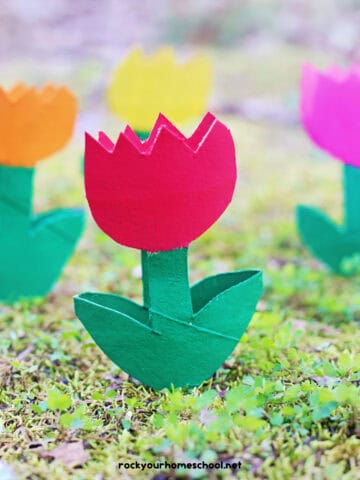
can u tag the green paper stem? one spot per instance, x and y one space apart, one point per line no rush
16 187
142 134
166 286
351 198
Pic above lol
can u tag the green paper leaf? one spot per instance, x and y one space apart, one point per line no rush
33 249
328 242
177 352
336 246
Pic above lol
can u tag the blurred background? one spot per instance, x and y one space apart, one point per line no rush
87 28
257 48
80 42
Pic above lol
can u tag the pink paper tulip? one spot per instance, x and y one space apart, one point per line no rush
330 110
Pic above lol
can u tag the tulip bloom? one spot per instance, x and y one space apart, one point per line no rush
158 196
36 123
33 248
330 113
162 193
143 86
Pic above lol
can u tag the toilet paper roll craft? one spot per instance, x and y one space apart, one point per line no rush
34 123
330 114
142 86
158 196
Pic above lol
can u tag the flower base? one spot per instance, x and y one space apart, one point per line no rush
336 246
162 351
33 248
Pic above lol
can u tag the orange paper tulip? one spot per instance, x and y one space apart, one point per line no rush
34 123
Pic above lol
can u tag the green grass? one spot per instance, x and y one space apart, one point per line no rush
286 403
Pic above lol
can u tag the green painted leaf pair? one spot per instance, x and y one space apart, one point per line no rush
330 243
33 248
336 246
160 350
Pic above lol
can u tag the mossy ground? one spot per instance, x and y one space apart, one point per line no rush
286 403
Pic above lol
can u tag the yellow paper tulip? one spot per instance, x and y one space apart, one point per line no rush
143 86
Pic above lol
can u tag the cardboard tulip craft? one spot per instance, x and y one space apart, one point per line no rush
158 196
142 86
34 248
330 112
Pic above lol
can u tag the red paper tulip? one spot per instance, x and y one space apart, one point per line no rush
330 111
162 193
